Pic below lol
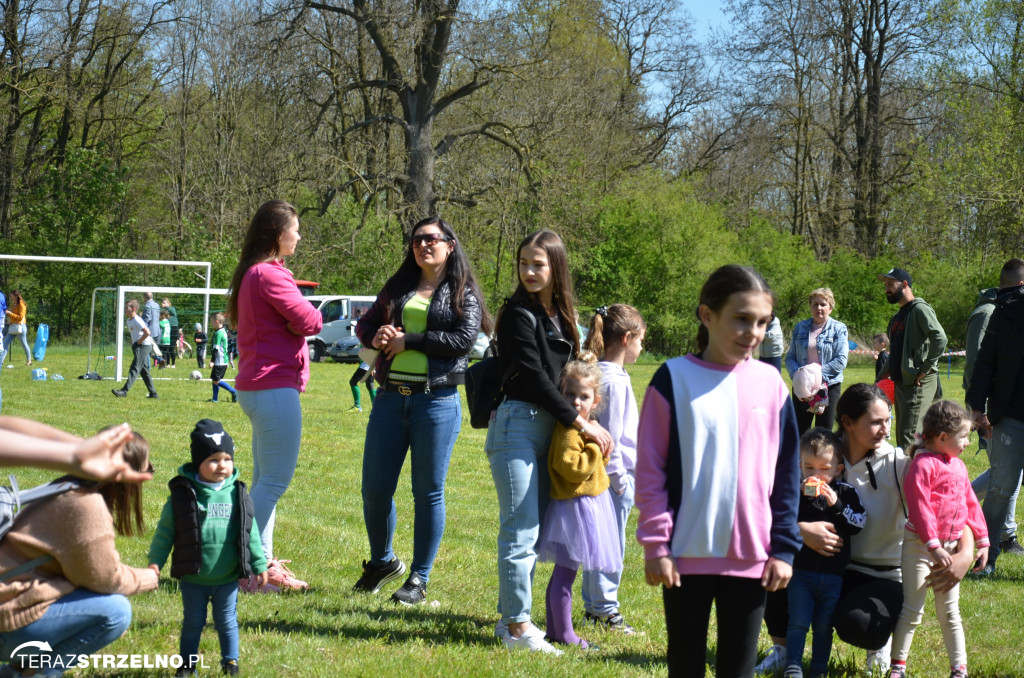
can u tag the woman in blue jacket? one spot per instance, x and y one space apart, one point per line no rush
819 339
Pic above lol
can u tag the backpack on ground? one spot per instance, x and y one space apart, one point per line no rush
12 500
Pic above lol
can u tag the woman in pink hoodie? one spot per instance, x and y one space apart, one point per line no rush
273 320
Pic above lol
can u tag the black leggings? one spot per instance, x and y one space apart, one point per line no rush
805 420
739 607
865 616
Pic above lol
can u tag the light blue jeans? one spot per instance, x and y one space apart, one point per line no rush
1007 458
194 600
276 418
980 487
517 444
81 622
9 339
601 589
425 425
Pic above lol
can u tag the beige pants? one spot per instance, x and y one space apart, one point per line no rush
915 566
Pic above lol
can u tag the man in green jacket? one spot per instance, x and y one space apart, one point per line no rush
917 341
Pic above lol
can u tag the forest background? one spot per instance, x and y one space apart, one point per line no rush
821 141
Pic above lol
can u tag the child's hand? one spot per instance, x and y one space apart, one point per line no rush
830 495
661 571
941 557
776 575
982 559
263 577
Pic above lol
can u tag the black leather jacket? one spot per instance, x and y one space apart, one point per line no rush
998 378
534 354
448 338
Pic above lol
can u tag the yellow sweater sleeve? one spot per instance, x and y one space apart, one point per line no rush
576 468
16 315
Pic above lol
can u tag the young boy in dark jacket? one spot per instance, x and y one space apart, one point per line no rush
208 520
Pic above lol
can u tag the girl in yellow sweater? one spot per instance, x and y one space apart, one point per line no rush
16 326
579 527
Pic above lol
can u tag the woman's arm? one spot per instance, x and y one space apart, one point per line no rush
279 289
943 579
831 370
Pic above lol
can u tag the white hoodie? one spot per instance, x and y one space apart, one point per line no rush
878 479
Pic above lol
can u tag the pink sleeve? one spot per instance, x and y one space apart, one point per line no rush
975 518
917 489
654 526
281 292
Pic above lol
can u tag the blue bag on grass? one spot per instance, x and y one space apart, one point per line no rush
42 337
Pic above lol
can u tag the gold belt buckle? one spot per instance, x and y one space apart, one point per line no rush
405 390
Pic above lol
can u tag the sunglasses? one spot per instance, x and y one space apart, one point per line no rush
427 239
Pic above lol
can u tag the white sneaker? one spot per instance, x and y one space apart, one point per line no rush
878 660
532 640
774 661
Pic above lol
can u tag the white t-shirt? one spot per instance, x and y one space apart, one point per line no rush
136 325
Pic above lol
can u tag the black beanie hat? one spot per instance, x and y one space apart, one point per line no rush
209 437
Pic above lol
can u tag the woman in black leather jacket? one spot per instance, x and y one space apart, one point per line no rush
424 323
537 336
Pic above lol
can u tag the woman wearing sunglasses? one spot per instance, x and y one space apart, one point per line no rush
424 323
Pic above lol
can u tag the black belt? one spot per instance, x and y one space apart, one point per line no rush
405 387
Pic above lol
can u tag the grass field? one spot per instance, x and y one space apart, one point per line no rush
331 631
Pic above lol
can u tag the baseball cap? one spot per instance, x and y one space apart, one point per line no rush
897 274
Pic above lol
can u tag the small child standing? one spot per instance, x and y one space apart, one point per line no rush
616 335
219 359
204 520
165 337
579 527
199 339
718 480
362 375
818 580
940 502
880 344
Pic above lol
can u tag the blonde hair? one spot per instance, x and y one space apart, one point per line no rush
826 294
944 416
610 324
585 370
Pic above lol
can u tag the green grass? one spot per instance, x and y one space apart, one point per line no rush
330 631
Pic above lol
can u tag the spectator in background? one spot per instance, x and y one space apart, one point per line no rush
823 340
977 323
917 343
880 344
151 316
996 396
773 348
142 344
172 316
17 326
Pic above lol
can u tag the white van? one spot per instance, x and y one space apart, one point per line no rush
340 313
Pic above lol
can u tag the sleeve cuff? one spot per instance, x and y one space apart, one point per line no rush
932 544
659 550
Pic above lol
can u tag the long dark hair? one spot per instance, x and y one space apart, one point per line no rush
260 244
722 284
16 295
854 404
456 270
123 500
562 295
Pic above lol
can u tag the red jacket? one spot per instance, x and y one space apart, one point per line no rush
940 500
274 320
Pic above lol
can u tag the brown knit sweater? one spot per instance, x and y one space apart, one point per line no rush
576 468
78 531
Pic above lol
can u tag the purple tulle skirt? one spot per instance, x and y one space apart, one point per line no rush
581 533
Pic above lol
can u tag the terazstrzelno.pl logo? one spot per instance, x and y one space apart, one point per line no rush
38 655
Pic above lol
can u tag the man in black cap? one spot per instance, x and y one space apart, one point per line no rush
916 342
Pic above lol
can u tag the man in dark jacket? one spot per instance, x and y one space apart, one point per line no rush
998 383
916 344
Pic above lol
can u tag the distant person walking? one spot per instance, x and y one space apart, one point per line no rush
916 344
273 321
151 316
17 326
142 345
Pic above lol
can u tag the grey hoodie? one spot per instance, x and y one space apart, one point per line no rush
976 326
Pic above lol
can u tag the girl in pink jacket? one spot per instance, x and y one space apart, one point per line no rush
940 502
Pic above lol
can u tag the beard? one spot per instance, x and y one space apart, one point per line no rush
894 297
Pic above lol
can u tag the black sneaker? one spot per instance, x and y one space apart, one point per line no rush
376 576
234 397
229 668
119 392
613 622
184 671
152 395
413 591
1011 545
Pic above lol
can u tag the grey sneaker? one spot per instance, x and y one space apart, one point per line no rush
774 661
613 622
1011 545
376 576
413 591
119 392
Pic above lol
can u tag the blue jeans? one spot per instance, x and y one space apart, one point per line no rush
1006 454
980 487
194 599
425 425
812 601
601 589
276 418
517 444
81 622
9 339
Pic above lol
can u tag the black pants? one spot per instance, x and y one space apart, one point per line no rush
865 616
172 359
739 607
805 420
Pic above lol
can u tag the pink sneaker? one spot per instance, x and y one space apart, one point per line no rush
252 585
283 578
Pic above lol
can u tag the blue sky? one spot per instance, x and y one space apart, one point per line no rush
706 13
